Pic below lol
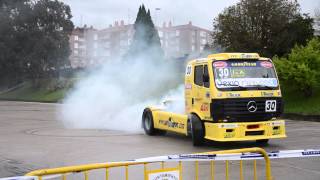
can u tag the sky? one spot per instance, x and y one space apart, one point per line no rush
101 13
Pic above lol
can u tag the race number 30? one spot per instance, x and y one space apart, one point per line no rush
271 106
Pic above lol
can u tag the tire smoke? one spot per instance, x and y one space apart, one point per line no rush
114 96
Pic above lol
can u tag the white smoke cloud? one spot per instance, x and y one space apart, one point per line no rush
114 97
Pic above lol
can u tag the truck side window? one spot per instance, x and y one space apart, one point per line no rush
198 75
206 80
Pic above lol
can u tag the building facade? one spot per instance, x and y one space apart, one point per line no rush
92 47
316 26
182 40
83 44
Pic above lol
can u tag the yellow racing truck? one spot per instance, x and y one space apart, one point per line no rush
228 97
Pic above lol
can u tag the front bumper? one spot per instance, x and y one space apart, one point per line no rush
245 131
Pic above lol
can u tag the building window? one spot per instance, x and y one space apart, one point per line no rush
95 37
76 45
193 48
123 43
107 44
177 33
76 52
160 34
193 40
76 37
203 34
95 45
203 41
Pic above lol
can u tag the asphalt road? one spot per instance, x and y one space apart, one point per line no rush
31 137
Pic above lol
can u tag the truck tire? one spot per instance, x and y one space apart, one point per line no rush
147 124
262 142
197 131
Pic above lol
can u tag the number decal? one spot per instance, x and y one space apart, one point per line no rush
271 106
223 72
188 70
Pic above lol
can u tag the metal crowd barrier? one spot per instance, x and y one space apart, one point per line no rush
165 172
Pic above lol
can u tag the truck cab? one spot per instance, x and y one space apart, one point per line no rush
228 97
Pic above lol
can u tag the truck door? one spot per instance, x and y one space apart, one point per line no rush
201 92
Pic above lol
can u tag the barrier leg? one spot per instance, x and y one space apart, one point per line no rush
255 170
212 169
227 170
197 170
241 170
86 176
107 174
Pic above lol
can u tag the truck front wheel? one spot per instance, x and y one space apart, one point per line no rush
197 130
147 124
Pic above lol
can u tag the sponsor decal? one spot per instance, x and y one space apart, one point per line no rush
233 94
243 64
266 64
197 156
169 123
204 107
220 64
237 73
228 125
267 94
164 174
245 82
188 86
310 153
227 83
250 155
229 134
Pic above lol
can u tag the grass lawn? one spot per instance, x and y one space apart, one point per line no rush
297 103
28 93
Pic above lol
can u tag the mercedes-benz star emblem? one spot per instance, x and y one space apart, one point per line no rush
252 106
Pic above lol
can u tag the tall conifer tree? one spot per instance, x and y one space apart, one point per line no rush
146 41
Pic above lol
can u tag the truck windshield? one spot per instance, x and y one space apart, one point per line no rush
244 75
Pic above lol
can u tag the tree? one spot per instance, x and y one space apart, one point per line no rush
270 27
146 41
34 38
301 69
11 66
49 46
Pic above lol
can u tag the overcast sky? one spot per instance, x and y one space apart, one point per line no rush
101 13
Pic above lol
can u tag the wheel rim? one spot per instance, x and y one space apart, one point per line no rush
147 122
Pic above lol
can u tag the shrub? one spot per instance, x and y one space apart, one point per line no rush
301 69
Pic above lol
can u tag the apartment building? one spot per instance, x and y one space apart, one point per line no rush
92 47
316 26
115 40
84 45
183 40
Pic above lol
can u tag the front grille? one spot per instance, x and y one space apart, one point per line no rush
235 110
